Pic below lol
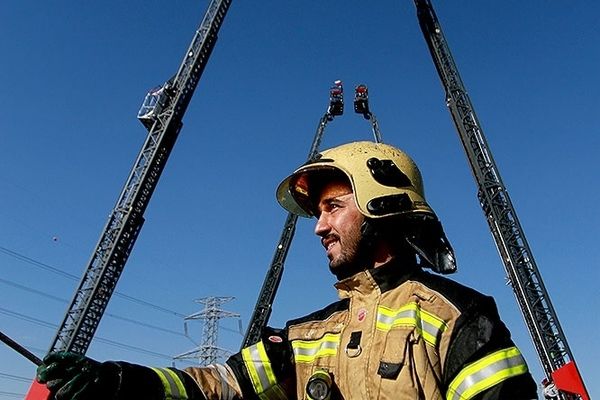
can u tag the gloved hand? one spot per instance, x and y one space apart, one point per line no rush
71 376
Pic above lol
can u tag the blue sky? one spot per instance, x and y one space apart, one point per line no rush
74 75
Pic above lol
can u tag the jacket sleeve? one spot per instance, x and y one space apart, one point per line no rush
265 369
141 382
262 370
482 361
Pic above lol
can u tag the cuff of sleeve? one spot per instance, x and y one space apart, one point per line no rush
140 382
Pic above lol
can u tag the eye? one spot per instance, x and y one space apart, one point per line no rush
334 206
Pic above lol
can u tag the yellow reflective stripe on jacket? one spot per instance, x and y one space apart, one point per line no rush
261 374
309 350
486 372
174 388
427 324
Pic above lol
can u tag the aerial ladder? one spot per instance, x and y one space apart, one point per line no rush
523 274
161 113
266 297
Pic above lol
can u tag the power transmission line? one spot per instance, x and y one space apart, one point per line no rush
27 318
49 268
63 300
57 271
132 348
144 324
37 263
114 343
15 377
32 290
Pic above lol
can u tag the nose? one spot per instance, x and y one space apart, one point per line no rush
322 226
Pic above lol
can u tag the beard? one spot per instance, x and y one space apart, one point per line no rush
354 255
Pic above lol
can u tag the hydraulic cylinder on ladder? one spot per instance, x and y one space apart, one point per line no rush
523 274
162 114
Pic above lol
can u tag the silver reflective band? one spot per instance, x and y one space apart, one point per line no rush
429 325
259 367
174 389
261 374
487 372
309 350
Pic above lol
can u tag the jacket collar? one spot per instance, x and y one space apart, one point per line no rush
381 279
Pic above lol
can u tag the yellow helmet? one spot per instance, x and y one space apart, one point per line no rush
385 181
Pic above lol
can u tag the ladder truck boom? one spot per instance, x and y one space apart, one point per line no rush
523 274
262 310
121 231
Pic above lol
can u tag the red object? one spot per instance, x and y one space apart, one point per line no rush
37 391
567 379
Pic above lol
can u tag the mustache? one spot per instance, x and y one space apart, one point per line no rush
328 238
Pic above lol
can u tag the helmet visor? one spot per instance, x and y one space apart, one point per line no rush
299 193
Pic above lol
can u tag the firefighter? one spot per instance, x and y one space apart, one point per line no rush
397 332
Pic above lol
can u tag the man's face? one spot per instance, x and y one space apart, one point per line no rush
338 225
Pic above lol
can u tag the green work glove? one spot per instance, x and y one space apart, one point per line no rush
71 376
